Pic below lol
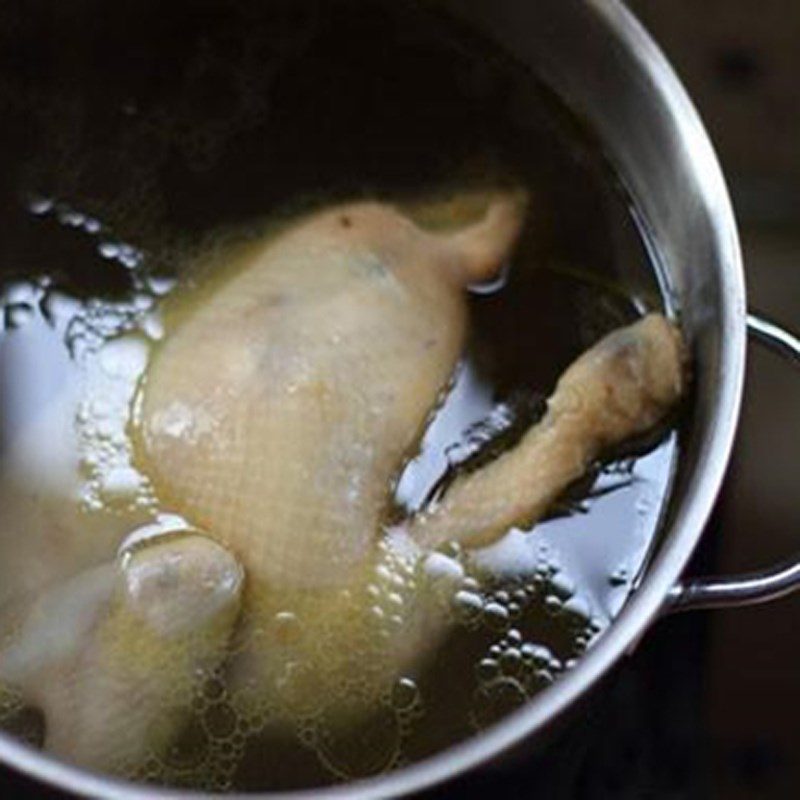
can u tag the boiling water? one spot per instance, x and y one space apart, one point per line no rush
136 144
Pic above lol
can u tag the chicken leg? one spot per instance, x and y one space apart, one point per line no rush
112 656
618 389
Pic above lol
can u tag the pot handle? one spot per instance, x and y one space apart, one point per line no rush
753 587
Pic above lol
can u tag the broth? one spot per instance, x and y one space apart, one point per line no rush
129 165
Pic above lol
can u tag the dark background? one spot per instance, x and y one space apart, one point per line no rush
741 62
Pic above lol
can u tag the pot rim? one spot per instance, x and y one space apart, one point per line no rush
644 606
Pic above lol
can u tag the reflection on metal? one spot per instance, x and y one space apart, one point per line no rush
753 587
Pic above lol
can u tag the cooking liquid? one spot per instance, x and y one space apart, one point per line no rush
123 176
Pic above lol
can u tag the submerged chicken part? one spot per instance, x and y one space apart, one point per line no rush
113 656
278 411
618 389
274 417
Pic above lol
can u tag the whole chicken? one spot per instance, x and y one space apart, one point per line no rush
291 387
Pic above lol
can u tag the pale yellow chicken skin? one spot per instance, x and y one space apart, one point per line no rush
275 417
277 413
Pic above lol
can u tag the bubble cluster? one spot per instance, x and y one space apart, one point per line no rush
108 357
518 665
102 419
206 751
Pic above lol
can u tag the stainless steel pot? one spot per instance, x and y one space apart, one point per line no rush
600 60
